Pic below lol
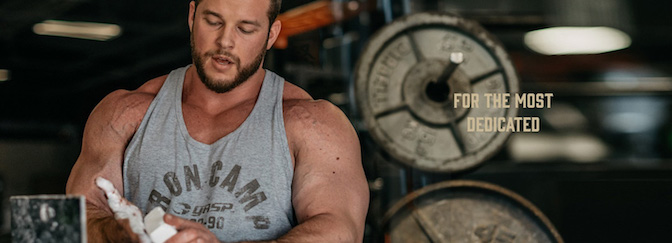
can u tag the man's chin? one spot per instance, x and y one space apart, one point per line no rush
221 77
220 86
221 83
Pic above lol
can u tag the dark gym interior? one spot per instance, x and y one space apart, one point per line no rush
600 168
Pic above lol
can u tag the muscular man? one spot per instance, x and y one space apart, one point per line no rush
231 151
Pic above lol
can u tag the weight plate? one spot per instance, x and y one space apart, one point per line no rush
467 211
404 85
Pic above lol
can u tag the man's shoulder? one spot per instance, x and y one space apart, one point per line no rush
133 99
306 117
299 106
124 109
152 86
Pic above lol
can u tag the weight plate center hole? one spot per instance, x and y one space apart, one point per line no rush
437 91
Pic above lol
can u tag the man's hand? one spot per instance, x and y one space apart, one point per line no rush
188 231
126 225
123 209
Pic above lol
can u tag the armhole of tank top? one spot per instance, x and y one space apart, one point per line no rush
285 139
289 168
145 119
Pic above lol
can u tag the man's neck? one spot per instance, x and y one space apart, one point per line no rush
195 93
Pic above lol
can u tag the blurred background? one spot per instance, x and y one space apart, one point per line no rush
600 168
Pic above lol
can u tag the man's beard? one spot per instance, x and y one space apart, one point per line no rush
221 85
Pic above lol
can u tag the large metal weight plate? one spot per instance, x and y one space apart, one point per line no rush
405 81
467 211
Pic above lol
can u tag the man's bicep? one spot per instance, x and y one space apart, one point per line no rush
328 190
328 177
102 151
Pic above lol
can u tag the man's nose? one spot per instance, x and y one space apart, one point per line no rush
226 38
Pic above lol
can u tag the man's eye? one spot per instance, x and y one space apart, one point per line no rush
213 23
245 31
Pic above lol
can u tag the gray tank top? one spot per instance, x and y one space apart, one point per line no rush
238 187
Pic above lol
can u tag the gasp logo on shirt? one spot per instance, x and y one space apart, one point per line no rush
247 195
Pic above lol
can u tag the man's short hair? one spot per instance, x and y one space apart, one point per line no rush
273 10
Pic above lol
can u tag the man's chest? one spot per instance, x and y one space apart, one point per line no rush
208 128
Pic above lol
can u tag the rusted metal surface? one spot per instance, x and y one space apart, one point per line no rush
405 81
315 15
467 211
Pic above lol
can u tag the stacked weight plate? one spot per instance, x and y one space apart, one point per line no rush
405 82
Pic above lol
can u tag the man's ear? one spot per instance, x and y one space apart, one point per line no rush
192 14
273 33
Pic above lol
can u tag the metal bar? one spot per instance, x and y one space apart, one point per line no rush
387 10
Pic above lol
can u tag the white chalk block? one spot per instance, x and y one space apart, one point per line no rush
157 229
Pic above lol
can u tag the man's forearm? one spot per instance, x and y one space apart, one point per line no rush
322 228
103 227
